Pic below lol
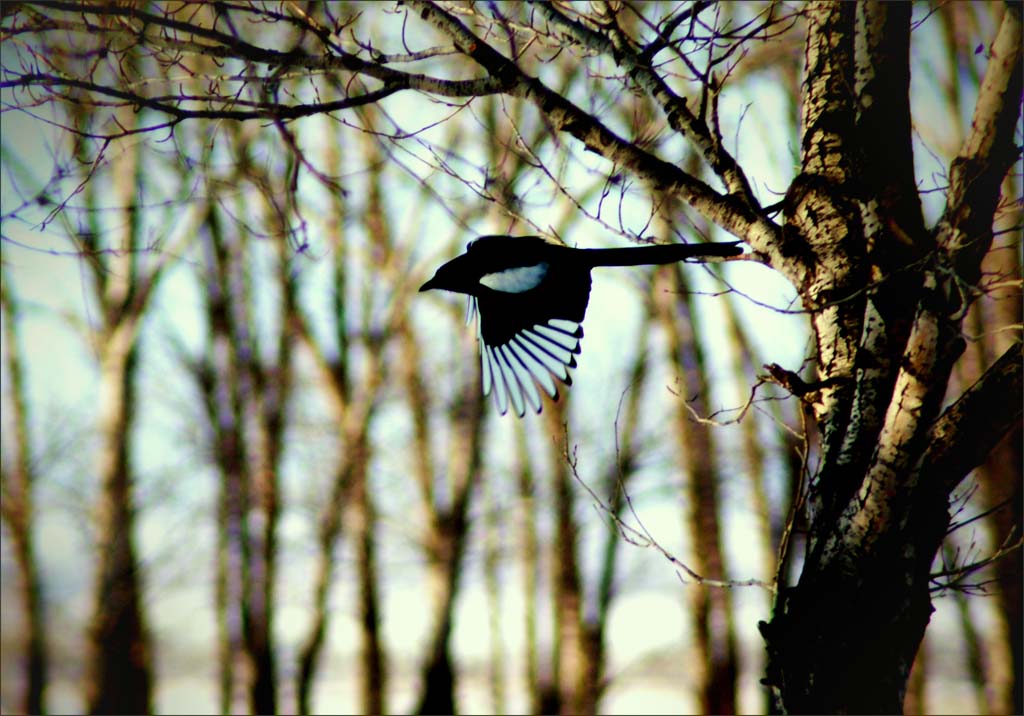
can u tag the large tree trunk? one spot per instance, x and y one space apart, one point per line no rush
887 300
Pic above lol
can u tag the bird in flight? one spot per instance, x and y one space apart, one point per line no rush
529 296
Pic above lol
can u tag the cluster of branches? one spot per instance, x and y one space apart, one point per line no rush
274 62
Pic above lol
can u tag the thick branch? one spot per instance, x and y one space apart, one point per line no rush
987 153
971 427
824 238
884 128
677 112
732 214
827 111
264 111
892 220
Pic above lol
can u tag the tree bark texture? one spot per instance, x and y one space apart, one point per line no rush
887 299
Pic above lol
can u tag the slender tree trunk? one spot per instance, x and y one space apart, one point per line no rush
915 703
328 535
493 533
1002 475
271 381
765 515
18 512
349 500
713 667
1002 479
363 524
616 485
119 662
262 519
221 386
118 656
973 661
543 695
569 665
438 695
446 545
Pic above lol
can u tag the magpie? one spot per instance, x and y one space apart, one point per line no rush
529 296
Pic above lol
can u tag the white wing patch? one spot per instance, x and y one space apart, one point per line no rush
532 359
516 280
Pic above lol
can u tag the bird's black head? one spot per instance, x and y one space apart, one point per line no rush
486 255
453 276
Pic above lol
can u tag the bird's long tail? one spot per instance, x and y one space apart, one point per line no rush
659 253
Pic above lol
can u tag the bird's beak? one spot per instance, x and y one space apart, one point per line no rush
427 286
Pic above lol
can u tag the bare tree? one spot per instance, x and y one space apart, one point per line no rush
350 493
888 298
119 656
245 394
715 664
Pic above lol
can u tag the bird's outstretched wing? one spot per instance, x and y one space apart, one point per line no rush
529 340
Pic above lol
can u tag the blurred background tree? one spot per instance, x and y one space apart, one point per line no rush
246 468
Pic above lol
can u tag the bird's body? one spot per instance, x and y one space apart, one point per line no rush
531 296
